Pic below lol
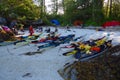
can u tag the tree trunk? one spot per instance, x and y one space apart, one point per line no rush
110 13
93 11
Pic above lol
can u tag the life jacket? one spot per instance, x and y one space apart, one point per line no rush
82 46
95 48
100 42
87 49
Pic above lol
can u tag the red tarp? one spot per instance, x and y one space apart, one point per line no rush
77 23
111 23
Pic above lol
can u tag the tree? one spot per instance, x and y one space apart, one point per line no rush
19 9
84 10
116 10
112 9
55 7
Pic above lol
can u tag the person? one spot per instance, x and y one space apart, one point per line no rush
13 23
56 30
14 29
48 37
21 27
40 29
48 30
31 30
68 28
52 34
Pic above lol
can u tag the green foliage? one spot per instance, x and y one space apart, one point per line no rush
91 23
90 12
19 9
112 10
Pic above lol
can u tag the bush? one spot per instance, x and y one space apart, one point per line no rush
91 23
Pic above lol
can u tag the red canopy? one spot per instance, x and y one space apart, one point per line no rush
111 23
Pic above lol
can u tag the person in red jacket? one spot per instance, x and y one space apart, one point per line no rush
31 31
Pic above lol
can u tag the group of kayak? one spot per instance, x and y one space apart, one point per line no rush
79 49
46 37
87 48
59 40
45 40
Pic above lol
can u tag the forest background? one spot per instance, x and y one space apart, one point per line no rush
88 12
